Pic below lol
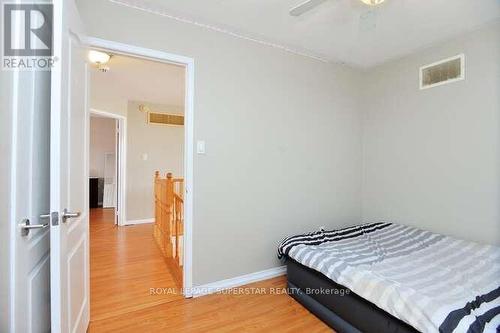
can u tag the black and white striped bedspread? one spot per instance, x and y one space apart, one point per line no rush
433 282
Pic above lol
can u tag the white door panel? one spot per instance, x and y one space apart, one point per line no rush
69 188
30 184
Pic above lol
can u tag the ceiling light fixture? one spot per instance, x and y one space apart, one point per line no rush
372 2
99 59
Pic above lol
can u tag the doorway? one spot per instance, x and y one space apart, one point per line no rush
128 254
107 163
103 164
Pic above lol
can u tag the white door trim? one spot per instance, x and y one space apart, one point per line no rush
115 166
188 63
122 161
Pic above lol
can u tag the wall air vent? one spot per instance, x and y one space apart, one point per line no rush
165 119
442 72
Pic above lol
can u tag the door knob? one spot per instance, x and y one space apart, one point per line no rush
69 215
26 226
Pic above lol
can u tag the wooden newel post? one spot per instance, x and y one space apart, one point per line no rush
155 196
169 192
170 189
157 234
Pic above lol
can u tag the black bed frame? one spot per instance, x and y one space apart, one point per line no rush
337 306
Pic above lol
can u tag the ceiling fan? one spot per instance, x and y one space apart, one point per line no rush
310 4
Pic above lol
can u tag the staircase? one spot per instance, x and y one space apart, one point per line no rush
168 229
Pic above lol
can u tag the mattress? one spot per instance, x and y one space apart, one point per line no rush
432 282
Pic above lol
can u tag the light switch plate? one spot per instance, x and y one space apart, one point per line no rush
200 147
144 157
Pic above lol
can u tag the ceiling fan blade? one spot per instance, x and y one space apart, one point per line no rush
304 7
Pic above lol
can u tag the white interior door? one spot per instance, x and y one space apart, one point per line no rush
30 199
69 234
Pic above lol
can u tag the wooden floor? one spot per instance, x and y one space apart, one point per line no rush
125 264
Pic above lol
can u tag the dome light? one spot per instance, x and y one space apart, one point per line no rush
98 58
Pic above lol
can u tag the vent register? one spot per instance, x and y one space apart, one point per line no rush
442 72
161 118
165 119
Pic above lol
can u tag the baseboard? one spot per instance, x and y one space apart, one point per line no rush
131 222
221 285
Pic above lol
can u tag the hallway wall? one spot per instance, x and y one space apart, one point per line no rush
102 140
150 147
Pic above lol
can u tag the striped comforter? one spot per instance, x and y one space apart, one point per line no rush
433 282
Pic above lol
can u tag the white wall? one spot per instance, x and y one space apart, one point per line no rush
282 132
102 141
432 157
164 148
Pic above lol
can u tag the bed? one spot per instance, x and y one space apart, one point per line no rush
386 277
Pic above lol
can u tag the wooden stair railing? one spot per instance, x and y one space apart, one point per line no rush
161 229
168 230
179 227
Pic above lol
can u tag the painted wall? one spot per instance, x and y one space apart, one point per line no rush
282 132
150 147
432 157
102 141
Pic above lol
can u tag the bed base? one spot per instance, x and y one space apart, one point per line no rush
345 312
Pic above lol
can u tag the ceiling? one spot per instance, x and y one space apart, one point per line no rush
134 79
345 31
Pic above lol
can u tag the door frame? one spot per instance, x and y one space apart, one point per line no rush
188 64
121 155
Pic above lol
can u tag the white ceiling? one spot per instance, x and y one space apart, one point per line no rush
339 30
134 79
